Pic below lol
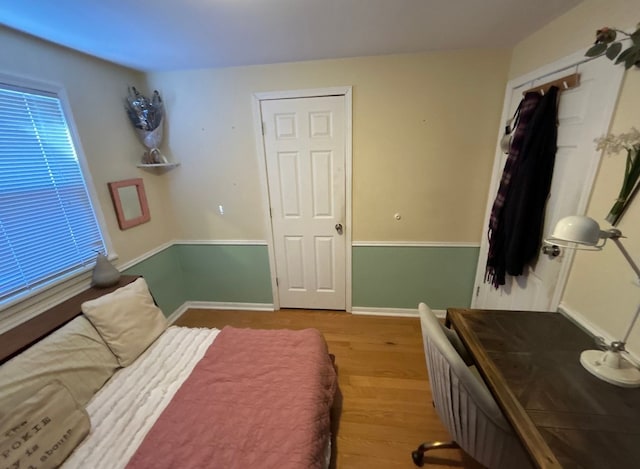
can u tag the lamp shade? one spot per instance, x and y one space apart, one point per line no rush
577 229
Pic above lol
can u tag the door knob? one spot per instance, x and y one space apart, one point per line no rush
339 228
551 250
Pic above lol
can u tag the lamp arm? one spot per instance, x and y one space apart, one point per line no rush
615 236
633 323
626 255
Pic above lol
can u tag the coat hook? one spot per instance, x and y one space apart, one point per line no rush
566 86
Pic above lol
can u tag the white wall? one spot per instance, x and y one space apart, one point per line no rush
96 90
600 285
424 134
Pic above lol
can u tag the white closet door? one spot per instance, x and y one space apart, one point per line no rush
584 114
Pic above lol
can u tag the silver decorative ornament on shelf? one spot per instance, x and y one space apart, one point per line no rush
104 273
152 140
147 117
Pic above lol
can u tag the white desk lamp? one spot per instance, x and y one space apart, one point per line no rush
579 232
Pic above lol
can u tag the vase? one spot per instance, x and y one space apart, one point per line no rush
630 186
104 273
152 140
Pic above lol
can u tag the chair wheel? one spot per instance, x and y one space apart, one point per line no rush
418 456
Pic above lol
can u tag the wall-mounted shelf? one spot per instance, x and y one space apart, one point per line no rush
159 165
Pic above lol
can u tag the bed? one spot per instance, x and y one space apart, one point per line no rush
83 396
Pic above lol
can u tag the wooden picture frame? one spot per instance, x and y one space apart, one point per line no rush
130 202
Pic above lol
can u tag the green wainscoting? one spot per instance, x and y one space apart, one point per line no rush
383 276
226 273
163 274
205 272
402 276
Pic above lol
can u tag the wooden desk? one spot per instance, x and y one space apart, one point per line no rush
564 416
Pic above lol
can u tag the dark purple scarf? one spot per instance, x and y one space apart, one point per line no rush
495 273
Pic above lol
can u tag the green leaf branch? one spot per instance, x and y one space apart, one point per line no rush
609 43
614 144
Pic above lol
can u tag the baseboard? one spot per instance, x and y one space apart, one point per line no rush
397 312
173 317
180 310
579 320
358 310
590 328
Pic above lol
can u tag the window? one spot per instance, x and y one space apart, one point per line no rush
48 228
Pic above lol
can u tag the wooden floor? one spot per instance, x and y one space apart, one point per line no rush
386 400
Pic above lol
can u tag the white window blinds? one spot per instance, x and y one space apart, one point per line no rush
47 224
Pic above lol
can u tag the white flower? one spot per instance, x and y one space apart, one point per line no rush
612 144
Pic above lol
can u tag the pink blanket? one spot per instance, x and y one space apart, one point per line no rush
256 399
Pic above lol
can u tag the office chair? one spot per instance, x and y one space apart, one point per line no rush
465 405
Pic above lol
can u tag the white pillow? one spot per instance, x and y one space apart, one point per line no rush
43 429
74 354
127 319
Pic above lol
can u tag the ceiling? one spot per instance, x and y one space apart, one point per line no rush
154 35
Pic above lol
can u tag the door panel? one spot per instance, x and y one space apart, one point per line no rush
289 183
584 114
294 254
324 249
305 143
321 167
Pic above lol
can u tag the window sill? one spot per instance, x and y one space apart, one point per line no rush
18 310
